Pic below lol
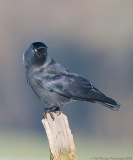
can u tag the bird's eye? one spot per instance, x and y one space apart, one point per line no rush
35 50
40 50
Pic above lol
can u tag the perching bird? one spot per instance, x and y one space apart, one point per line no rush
55 85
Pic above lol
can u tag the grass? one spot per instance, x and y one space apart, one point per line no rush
29 146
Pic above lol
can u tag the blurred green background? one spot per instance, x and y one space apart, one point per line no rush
91 37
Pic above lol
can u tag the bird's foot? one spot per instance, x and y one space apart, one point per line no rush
50 110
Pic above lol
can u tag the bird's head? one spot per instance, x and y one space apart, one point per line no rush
35 54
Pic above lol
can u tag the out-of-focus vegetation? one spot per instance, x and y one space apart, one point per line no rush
20 145
93 38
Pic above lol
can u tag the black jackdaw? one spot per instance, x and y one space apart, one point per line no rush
55 85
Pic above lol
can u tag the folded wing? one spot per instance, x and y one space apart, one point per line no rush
66 85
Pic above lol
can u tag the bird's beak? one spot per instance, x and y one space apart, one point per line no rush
44 52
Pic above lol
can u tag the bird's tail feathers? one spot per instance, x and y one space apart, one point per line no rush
110 103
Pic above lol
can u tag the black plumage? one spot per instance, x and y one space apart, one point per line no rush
55 85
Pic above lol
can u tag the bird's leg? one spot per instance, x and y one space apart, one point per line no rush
58 109
50 110
47 110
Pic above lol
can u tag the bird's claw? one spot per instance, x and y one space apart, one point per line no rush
50 110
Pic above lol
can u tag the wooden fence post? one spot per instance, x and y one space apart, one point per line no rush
60 139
